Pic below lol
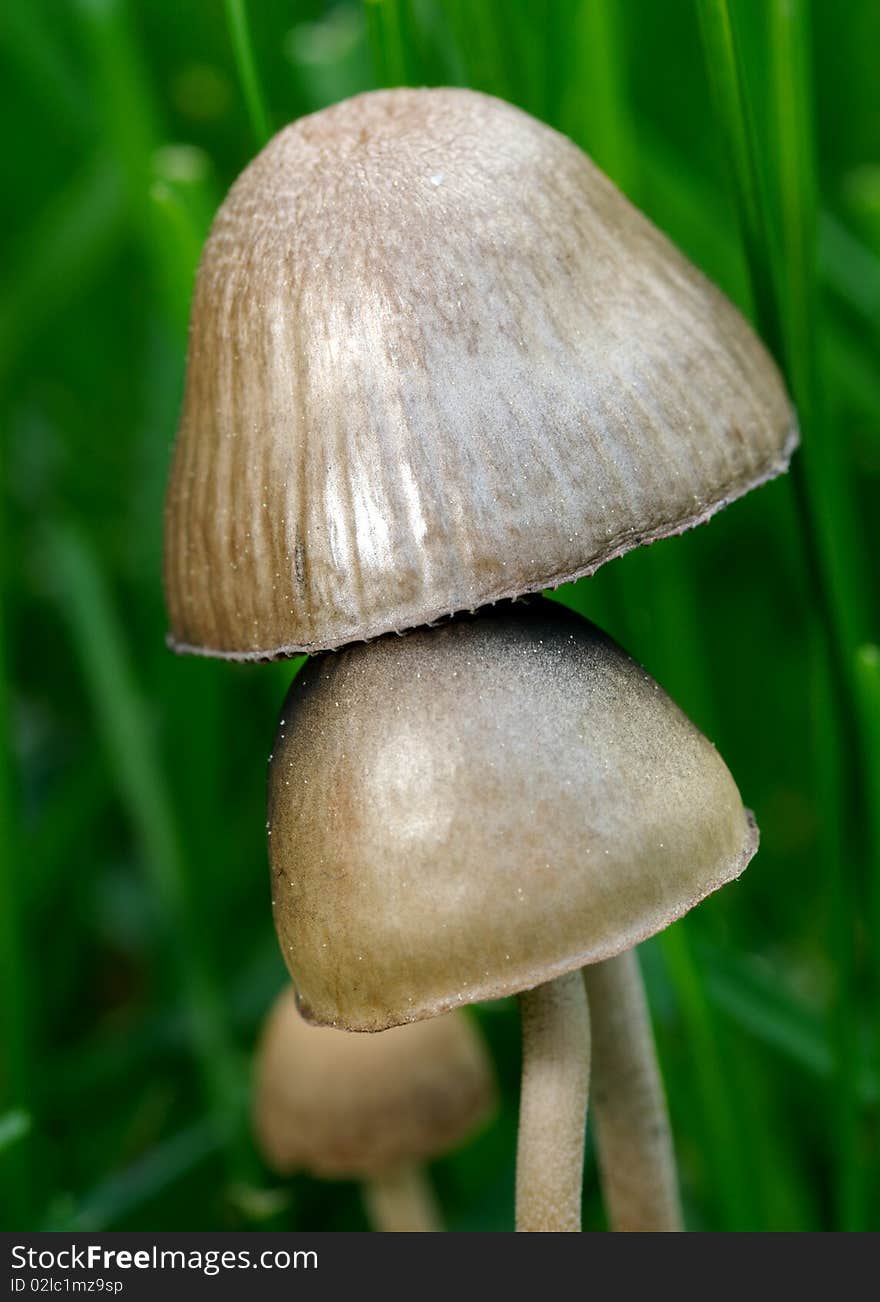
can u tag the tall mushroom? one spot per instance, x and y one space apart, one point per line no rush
372 1108
436 360
483 809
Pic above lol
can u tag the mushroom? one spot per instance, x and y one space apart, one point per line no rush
437 359
483 809
370 1107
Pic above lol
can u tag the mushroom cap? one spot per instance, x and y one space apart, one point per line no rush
352 1106
472 810
437 359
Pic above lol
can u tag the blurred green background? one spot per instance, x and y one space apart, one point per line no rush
137 954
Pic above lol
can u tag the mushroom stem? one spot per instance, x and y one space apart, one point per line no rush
553 1105
401 1201
633 1139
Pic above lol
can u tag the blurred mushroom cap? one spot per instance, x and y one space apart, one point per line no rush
472 810
352 1106
437 359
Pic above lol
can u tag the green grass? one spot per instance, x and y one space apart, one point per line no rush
252 90
17 981
774 183
136 948
98 638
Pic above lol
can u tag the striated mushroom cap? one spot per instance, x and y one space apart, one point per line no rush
352 1106
470 811
437 359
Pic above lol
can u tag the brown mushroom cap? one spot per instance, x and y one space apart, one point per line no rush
438 359
472 810
353 1106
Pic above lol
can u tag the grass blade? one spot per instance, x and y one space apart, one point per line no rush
732 111
786 299
125 1193
74 238
240 34
830 515
868 680
124 727
850 268
121 93
131 132
720 1126
18 1001
29 36
595 109
14 1126
385 25
183 201
479 36
845 1108
760 1005
786 292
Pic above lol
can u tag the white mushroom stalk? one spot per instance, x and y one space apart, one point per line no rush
633 1137
401 1201
553 1105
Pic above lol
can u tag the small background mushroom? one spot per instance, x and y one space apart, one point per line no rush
371 1108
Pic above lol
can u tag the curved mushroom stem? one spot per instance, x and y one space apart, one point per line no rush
553 1105
401 1201
633 1139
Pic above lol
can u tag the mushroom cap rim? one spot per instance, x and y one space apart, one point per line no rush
514 985
619 548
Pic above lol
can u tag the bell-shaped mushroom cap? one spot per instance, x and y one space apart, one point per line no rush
438 359
353 1106
472 810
